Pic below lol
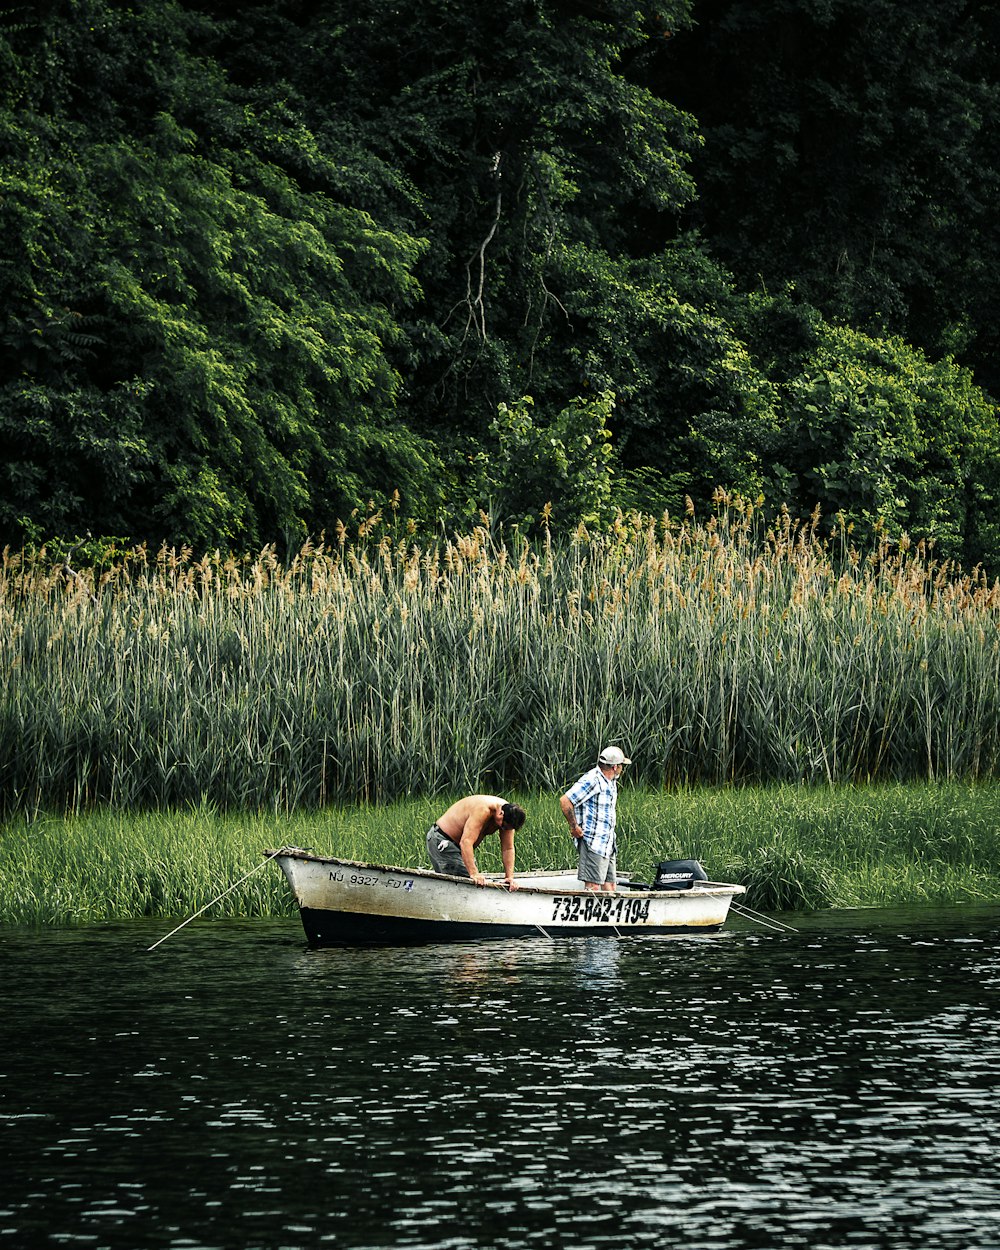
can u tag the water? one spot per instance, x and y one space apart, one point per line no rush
828 1088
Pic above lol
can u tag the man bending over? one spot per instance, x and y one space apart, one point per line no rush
453 838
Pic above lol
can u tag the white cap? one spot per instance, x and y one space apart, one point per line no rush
612 756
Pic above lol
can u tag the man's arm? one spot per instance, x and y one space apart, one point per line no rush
569 811
507 855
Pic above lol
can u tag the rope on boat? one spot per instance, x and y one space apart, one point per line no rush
768 922
217 899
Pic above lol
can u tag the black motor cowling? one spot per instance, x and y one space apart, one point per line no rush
677 874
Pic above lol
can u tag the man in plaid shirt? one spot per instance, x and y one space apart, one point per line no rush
590 809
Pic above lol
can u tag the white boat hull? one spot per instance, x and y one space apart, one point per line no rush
345 902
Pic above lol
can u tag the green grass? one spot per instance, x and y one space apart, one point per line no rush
794 846
839 846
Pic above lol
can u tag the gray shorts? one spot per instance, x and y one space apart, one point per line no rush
444 853
596 869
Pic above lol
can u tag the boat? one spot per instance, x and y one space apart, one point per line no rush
344 902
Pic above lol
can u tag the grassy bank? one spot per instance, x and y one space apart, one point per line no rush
793 846
715 652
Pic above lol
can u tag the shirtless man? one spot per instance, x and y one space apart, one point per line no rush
453 838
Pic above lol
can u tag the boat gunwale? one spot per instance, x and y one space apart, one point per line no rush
710 888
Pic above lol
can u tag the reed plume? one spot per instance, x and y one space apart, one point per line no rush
373 668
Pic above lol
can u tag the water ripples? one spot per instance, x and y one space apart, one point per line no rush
829 1088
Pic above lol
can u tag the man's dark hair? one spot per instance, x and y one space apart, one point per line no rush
513 816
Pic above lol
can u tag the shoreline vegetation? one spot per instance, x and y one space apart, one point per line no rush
370 669
818 722
794 847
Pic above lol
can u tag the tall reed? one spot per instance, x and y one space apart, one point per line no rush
373 668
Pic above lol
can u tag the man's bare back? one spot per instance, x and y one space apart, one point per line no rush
472 817
470 820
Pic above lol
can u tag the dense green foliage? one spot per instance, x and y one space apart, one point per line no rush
196 337
264 265
851 151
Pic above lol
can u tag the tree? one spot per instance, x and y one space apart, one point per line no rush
267 263
560 469
880 434
547 179
851 150
197 342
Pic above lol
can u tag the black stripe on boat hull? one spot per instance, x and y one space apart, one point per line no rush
339 928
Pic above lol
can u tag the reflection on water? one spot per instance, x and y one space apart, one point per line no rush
827 1088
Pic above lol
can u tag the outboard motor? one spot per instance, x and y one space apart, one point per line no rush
677 874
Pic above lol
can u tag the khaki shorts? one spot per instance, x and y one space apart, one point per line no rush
444 853
596 869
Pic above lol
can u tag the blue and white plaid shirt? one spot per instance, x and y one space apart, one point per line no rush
594 799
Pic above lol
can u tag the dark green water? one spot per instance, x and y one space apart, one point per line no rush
835 1087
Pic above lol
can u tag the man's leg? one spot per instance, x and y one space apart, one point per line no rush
594 869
